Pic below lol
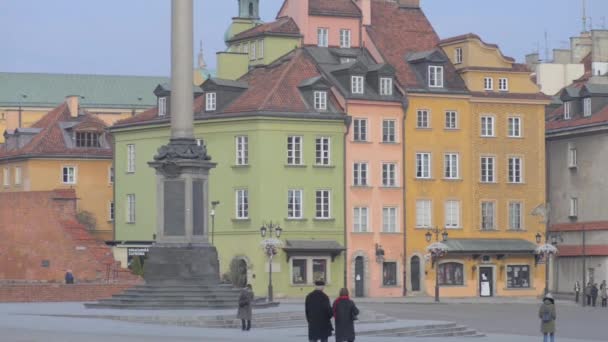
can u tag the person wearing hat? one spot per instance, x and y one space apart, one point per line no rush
318 314
547 316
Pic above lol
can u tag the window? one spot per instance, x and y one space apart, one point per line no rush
572 156
360 130
435 76
515 170
294 204
162 106
299 274
573 207
6 176
487 126
458 55
261 48
246 48
450 165
423 165
131 208
389 171
518 276
360 174
301 268
386 86
514 130
17 175
111 211
242 204
567 109
242 150
452 214
587 107
319 270
389 220
345 38
344 60
294 150
360 218
211 101
488 83
131 158
389 274
322 151
423 120
451 119
451 274
503 84
88 139
111 175
356 84
320 100
487 216
322 204
323 37
423 214
388 131
68 175
515 219
253 55
487 169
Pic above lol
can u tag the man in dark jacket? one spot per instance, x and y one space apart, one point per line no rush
594 292
318 314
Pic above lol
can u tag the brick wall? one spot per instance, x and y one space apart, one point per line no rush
22 293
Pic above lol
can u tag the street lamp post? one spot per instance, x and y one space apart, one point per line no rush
270 246
212 213
547 250
437 250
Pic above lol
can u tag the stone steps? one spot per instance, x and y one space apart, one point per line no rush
425 330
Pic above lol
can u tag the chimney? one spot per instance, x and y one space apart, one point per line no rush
409 3
366 10
73 102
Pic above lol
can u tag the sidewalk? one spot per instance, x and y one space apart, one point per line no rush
431 300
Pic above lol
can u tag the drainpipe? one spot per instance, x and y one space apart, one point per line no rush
345 210
404 173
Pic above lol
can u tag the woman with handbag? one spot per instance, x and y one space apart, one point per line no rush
245 307
345 315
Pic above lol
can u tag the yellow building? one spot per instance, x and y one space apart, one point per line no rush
66 149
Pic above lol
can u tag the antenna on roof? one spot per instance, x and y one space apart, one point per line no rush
584 15
546 45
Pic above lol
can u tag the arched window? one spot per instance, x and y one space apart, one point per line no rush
451 273
251 9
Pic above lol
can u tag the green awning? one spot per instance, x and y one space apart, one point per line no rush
502 246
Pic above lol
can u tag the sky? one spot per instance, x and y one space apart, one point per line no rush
132 37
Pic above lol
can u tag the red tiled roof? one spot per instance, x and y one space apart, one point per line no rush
473 36
507 95
152 114
578 226
577 250
556 119
282 26
341 8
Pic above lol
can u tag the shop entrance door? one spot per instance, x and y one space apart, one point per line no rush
486 281
359 276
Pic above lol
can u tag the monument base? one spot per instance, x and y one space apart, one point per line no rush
182 264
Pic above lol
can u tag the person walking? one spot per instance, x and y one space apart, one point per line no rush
577 291
604 294
345 314
547 316
594 293
245 307
318 314
588 293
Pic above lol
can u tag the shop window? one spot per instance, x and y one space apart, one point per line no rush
319 270
299 271
389 274
518 276
451 274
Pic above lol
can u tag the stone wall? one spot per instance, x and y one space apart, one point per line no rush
22 293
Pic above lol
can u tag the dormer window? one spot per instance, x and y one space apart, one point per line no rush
320 100
162 106
567 108
386 86
458 55
435 76
210 102
344 60
503 84
587 107
488 83
356 84
88 139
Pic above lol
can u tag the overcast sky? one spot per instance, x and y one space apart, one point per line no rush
132 36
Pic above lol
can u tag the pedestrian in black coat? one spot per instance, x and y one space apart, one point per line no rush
318 314
345 314
594 292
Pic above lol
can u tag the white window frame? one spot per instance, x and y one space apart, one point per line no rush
295 204
323 151
360 220
260 48
309 269
253 55
484 212
295 146
111 211
487 163
488 83
573 212
131 209
386 86
423 118
514 127
162 106
357 85
242 204
389 131
572 156
6 176
451 119
567 110
345 39
516 219
587 107
389 175
458 55
487 126
131 158
451 166
242 150
71 178
323 204
320 99
210 101
361 174
424 213
360 130
503 84
323 37
452 214
515 170
435 76
423 165
17 175
389 220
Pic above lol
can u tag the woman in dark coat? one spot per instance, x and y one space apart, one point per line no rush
345 314
245 307
318 314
